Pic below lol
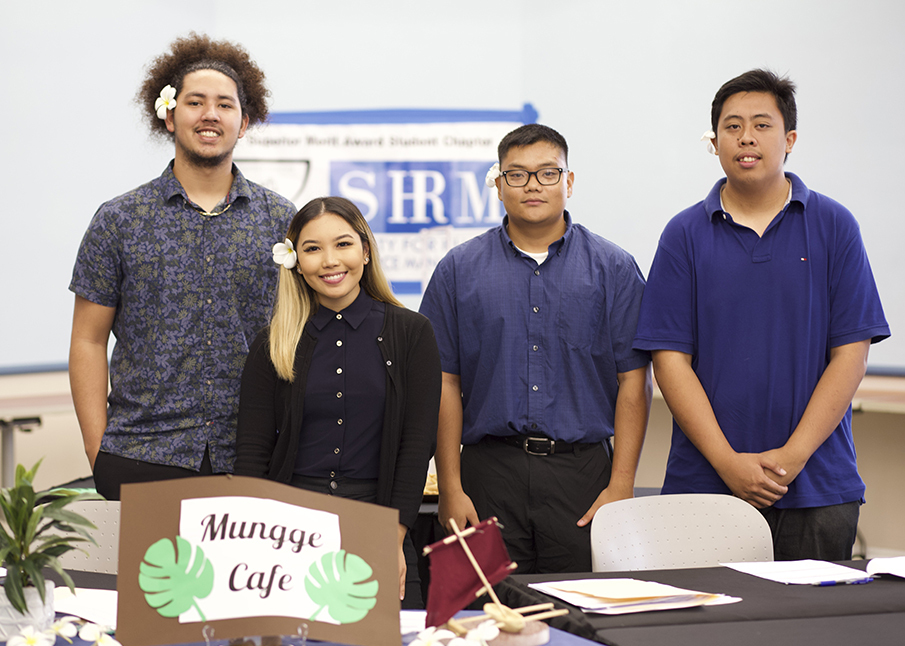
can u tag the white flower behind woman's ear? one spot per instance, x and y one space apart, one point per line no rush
284 254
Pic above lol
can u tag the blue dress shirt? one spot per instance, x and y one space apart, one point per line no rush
538 347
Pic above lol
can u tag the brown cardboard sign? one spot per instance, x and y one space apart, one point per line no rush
248 557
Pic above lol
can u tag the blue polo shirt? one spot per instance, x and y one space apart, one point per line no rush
759 316
537 347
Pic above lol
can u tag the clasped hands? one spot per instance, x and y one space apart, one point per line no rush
760 479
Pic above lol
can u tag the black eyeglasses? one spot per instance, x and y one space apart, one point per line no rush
544 176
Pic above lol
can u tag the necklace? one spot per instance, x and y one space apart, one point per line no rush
211 214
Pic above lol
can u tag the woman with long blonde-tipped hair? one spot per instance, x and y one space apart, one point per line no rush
341 393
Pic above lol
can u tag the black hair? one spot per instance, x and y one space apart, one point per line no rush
782 89
531 134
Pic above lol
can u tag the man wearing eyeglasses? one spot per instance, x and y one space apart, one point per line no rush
535 320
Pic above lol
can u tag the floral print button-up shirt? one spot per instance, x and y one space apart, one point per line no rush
191 292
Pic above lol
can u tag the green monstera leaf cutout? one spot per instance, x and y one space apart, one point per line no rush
338 582
172 580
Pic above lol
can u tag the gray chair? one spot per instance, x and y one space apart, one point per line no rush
103 557
678 531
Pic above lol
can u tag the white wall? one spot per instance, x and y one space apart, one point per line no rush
628 83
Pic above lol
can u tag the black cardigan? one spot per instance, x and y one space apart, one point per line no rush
268 403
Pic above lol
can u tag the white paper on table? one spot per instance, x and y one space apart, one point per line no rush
621 596
412 621
804 572
97 606
894 565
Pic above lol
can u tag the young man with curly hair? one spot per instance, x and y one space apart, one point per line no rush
179 269
760 309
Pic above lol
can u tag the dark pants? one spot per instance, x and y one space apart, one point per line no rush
538 499
366 491
824 533
112 471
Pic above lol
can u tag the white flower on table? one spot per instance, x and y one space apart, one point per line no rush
28 637
284 254
65 627
484 632
478 636
97 635
432 636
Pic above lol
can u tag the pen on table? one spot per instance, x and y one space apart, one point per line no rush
858 582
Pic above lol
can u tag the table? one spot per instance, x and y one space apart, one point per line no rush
868 614
103 581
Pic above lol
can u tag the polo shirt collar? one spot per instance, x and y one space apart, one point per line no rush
714 208
552 249
354 314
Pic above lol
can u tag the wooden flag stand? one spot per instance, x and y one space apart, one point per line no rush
516 622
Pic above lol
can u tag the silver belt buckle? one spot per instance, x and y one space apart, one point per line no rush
550 443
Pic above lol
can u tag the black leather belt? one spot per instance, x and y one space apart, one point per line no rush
533 445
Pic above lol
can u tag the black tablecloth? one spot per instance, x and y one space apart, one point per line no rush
762 601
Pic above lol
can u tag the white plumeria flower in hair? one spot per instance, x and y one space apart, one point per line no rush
492 174
166 101
709 137
28 637
284 254
65 627
97 635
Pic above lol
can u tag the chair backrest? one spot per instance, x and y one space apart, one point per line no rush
103 557
678 531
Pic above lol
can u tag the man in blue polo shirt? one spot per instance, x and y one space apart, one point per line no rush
535 320
759 310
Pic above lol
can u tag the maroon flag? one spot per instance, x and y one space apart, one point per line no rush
454 581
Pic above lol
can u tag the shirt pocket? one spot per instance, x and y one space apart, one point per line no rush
579 315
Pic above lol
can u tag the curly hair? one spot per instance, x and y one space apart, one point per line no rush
197 52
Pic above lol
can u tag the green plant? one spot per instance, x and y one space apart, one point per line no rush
35 530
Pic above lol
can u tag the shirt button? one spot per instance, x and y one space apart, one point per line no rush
534 388
379 339
336 451
208 382
339 343
339 395
209 301
339 371
389 363
537 272
339 317
536 310
333 474
339 422
534 348
333 485
210 258
209 342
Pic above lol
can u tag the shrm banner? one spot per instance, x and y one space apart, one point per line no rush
416 175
